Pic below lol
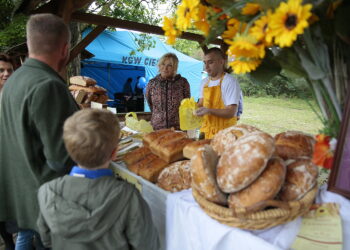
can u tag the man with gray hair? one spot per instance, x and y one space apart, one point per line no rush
35 104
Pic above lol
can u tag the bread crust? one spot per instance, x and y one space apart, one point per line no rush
265 187
148 138
226 138
176 176
301 178
82 81
190 149
203 174
90 89
294 144
244 161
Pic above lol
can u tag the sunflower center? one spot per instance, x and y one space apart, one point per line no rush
187 11
291 21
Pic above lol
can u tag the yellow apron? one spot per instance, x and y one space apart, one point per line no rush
212 99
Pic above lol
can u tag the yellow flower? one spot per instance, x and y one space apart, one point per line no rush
260 28
244 46
233 26
202 23
244 65
170 32
186 11
289 20
251 9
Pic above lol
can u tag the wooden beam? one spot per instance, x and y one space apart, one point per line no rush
65 10
50 7
129 25
85 42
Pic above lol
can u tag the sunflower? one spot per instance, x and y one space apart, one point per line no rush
251 9
244 46
288 21
186 11
244 65
260 28
233 26
201 23
170 32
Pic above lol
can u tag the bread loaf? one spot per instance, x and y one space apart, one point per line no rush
82 81
265 187
152 170
154 135
176 177
248 127
166 138
203 166
226 137
90 89
136 155
301 177
191 148
294 144
145 161
244 161
173 150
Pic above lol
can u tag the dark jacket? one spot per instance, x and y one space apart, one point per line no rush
34 105
164 98
104 213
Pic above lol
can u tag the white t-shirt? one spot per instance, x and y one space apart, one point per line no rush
230 89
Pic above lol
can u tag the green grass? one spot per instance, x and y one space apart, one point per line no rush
275 115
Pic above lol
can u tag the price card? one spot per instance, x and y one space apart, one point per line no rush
96 105
320 229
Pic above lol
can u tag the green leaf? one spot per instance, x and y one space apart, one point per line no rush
266 71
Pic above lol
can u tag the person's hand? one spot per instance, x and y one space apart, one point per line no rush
202 111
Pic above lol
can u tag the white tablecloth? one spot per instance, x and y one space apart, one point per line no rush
188 227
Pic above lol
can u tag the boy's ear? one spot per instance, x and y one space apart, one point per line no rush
114 154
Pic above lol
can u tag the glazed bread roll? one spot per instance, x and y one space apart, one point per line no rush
226 137
154 135
191 148
265 187
176 177
82 81
173 150
301 178
244 161
294 144
136 155
203 166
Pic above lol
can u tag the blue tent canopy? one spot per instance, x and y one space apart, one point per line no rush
113 63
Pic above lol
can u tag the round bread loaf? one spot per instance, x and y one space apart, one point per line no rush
265 187
203 172
176 177
244 161
294 144
301 178
248 127
226 137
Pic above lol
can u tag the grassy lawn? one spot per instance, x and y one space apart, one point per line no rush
275 115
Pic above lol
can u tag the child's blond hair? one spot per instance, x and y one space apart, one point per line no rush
90 136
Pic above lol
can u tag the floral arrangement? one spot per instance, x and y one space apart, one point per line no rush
270 37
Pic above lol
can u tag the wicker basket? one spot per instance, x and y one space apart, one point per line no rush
286 211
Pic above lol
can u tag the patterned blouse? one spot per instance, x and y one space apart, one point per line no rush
164 97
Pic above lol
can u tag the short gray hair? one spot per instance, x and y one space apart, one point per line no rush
45 32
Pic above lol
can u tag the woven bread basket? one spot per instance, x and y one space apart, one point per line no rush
248 219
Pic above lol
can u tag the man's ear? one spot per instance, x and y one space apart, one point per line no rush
114 154
65 50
